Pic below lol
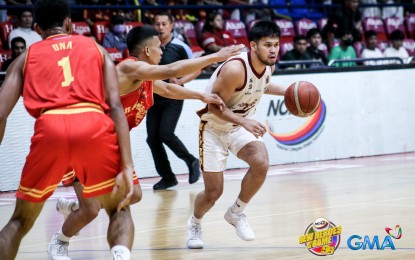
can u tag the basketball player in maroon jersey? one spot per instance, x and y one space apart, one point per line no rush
80 123
136 75
234 130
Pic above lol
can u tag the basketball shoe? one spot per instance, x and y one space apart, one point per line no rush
58 250
238 220
194 235
66 206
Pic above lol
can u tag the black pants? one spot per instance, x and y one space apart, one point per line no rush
162 119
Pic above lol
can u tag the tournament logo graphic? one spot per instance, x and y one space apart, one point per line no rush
301 134
322 237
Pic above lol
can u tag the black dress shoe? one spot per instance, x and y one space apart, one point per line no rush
194 171
165 184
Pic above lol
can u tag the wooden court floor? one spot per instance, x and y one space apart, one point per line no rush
363 195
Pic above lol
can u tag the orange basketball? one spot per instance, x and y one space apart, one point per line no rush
302 98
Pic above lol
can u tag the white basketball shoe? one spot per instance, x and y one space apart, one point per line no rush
58 250
194 235
238 220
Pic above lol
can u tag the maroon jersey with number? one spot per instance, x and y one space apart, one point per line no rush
66 78
137 102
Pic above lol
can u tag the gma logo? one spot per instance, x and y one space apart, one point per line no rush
355 243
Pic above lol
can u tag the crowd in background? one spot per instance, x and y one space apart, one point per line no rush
335 33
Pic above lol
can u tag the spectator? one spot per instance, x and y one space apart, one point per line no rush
298 53
348 18
371 50
397 49
314 40
163 116
116 36
344 51
18 47
25 19
214 37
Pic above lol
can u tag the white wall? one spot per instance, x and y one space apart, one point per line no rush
368 113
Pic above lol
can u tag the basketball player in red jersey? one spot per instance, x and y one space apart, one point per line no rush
136 75
80 123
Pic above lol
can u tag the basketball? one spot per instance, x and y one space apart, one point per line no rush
302 98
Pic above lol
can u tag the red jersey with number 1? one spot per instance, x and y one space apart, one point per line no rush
64 80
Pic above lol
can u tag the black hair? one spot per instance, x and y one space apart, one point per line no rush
370 33
17 39
169 16
138 35
299 38
21 11
397 35
210 17
312 32
263 29
51 13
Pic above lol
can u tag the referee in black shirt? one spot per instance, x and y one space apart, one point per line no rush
163 116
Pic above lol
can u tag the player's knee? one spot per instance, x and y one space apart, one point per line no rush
213 195
167 137
90 211
260 164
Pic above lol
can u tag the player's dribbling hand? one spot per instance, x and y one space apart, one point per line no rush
227 52
123 187
254 127
213 99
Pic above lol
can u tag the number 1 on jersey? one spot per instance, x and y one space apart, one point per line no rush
67 72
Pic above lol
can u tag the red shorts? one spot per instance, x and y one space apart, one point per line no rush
84 141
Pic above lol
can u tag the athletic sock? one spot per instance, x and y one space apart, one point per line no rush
119 250
238 206
62 237
195 220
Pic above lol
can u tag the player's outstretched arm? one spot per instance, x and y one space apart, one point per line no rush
10 91
226 84
124 180
174 91
139 70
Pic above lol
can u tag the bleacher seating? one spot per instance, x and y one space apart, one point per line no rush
358 47
321 23
392 24
189 31
410 25
382 45
303 25
4 55
409 45
99 29
287 30
375 24
238 31
131 25
115 54
199 27
81 28
5 29
284 47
